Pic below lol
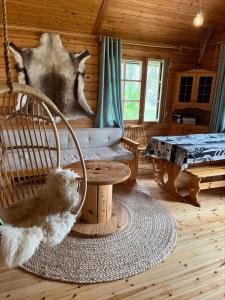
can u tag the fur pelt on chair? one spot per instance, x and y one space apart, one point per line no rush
44 218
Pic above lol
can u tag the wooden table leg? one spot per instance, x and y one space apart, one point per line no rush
160 170
100 217
173 172
192 197
98 204
165 167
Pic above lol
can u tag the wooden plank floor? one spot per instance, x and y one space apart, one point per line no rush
194 271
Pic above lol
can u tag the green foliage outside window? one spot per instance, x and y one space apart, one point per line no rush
153 91
131 89
131 111
133 71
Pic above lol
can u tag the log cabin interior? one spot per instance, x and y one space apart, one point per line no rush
112 149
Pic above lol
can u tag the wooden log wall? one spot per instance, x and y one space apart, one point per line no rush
182 59
179 60
211 58
212 55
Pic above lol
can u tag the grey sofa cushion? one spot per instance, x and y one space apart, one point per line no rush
87 137
94 137
23 159
113 153
101 153
34 159
95 143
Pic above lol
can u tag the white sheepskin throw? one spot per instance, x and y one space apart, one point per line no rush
44 218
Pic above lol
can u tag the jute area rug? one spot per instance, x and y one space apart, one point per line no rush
148 239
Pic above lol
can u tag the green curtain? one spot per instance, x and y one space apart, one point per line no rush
109 111
217 123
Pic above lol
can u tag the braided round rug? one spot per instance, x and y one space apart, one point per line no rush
148 239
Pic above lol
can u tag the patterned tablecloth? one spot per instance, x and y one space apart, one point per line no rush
188 149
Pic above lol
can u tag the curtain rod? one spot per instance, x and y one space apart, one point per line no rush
126 42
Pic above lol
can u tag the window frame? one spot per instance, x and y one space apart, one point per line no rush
162 90
128 80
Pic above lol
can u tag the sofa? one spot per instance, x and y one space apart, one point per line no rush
95 143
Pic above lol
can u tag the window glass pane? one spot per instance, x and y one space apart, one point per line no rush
133 71
131 110
204 89
186 83
122 89
153 91
132 90
122 70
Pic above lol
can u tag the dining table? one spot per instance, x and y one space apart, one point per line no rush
173 155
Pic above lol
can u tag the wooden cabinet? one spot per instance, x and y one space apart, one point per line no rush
193 98
194 88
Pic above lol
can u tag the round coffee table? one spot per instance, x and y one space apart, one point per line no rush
100 215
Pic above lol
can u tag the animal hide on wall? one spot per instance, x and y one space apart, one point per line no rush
58 73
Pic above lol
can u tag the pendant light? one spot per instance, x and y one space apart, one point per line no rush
199 18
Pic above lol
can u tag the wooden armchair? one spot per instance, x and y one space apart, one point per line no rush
137 133
133 147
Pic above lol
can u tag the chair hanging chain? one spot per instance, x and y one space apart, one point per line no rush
6 46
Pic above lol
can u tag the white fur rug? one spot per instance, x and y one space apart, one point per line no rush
44 218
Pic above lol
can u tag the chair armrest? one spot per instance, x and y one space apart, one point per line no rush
130 145
129 142
133 147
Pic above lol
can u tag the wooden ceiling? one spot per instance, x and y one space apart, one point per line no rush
151 21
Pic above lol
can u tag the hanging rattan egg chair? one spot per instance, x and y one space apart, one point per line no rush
26 151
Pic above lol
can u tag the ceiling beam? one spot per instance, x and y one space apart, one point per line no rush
100 16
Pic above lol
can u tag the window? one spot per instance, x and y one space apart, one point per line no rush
204 89
141 94
131 89
186 84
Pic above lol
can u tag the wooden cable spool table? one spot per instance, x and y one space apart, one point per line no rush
100 215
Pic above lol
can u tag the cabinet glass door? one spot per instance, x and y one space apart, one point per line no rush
204 89
186 83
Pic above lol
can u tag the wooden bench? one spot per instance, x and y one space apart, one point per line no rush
205 177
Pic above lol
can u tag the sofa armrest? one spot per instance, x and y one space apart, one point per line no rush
129 142
133 147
